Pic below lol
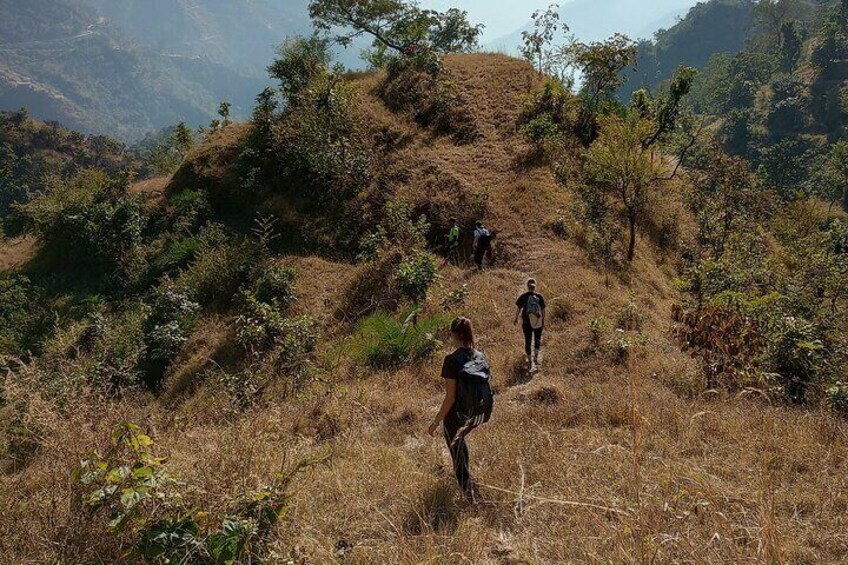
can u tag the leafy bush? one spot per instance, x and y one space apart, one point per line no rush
398 230
220 267
541 129
385 342
794 356
424 91
92 220
170 318
455 298
551 108
415 276
275 286
630 318
598 327
23 317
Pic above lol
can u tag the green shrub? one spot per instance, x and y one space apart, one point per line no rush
837 397
221 266
455 298
795 354
275 286
23 316
398 230
91 221
598 327
177 255
415 276
384 342
541 129
630 318
170 319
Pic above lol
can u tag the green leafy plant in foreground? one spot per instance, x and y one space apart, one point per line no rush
130 485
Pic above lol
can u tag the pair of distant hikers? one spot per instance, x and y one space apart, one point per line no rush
482 243
469 398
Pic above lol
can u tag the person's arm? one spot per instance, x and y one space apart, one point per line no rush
544 309
518 313
447 404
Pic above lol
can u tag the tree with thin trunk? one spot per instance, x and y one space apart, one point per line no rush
397 25
536 43
625 161
620 164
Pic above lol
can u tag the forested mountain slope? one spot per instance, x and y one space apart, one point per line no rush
64 62
241 35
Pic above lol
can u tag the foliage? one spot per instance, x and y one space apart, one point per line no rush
127 481
416 275
548 113
384 342
314 146
622 166
398 230
536 42
275 286
399 25
418 86
23 316
300 62
169 320
221 264
90 221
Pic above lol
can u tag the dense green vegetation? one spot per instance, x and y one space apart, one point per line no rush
36 157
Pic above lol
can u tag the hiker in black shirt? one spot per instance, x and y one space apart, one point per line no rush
531 310
458 425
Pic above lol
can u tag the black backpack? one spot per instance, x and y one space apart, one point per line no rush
474 397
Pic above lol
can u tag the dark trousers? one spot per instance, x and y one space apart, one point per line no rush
480 252
456 428
531 337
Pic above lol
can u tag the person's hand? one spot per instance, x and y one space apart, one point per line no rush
432 429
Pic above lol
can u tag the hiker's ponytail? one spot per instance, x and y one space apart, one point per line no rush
464 330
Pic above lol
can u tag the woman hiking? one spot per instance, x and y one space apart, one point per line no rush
531 310
468 399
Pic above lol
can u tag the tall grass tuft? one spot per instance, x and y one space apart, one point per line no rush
386 342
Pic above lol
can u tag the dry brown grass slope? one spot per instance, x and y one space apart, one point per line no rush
593 460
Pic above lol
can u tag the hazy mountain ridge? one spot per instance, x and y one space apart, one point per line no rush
241 34
66 62
594 20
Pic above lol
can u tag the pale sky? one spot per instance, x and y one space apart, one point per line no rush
500 16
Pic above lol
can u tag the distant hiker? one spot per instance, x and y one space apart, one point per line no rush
468 399
531 310
482 245
452 242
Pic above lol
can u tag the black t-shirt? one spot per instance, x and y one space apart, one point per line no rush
455 362
522 303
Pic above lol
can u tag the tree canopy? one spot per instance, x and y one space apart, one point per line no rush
397 25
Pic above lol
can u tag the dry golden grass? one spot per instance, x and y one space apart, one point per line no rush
16 252
572 470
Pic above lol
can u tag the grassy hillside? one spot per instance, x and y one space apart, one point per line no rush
262 334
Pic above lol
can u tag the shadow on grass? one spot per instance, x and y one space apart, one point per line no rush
438 510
